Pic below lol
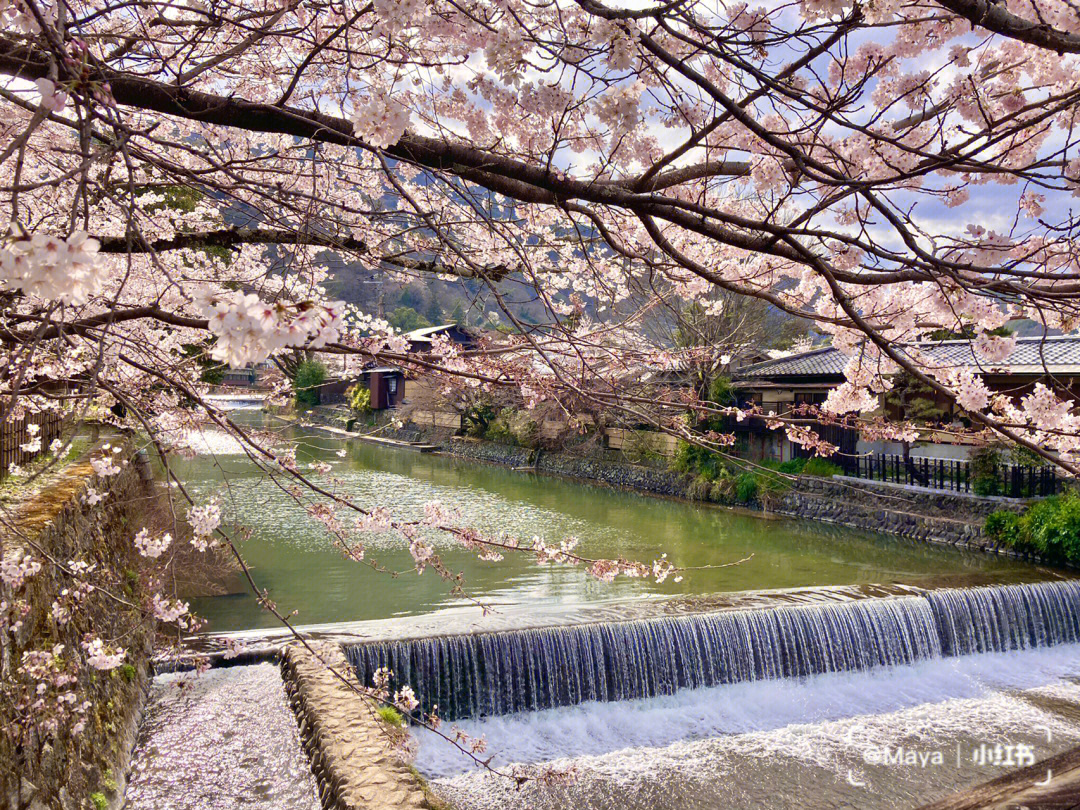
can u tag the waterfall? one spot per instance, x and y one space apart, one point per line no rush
526 670
1007 617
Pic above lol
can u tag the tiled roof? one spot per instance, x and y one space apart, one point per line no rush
1032 355
427 332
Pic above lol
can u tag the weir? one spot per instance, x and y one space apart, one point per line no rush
500 673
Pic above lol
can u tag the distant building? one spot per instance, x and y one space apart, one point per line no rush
807 377
421 340
241 377
387 384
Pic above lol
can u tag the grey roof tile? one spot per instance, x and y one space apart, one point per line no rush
1032 355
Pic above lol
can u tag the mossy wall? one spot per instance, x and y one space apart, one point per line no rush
47 764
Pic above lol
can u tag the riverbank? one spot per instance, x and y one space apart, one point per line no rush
917 513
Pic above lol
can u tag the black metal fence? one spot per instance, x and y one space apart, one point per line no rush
1010 480
14 434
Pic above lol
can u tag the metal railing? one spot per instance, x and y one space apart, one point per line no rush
14 434
1010 480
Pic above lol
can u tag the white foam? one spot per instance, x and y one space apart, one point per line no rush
596 729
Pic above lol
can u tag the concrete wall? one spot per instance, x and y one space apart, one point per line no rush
436 419
960 452
662 443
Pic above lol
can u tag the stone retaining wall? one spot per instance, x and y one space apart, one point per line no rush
354 753
58 767
613 473
914 512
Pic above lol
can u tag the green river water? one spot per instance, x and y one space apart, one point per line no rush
292 557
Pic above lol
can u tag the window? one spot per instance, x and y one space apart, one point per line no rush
809 398
391 385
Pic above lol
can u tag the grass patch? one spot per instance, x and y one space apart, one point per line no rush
392 716
433 801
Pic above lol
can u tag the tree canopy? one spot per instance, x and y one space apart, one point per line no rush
179 174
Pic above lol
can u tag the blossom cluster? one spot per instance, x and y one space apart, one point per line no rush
33 443
105 465
152 547
380 120
376 521
69 599
248 329
204 522
52 268
405 699
168 610
17 566
438 514
102 656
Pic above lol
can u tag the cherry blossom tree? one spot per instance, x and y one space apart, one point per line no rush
180 174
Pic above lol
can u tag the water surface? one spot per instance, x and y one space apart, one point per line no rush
830 742
294 559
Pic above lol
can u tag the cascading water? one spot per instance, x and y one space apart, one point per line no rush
1007 617
527 670
498 673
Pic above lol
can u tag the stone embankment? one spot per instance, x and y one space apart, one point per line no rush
356 756
42 762
916 513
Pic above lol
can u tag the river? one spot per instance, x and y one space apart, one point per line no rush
292 557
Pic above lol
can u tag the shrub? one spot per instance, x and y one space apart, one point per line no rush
984 472
721 391
639 446
746 487
499 430
695 460
1052 528
477 419
821 467
99 801
685 459
309 376
792 467
724 487
359 399
1004 527
770 486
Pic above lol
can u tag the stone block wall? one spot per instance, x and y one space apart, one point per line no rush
915 512
45 763
355 755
